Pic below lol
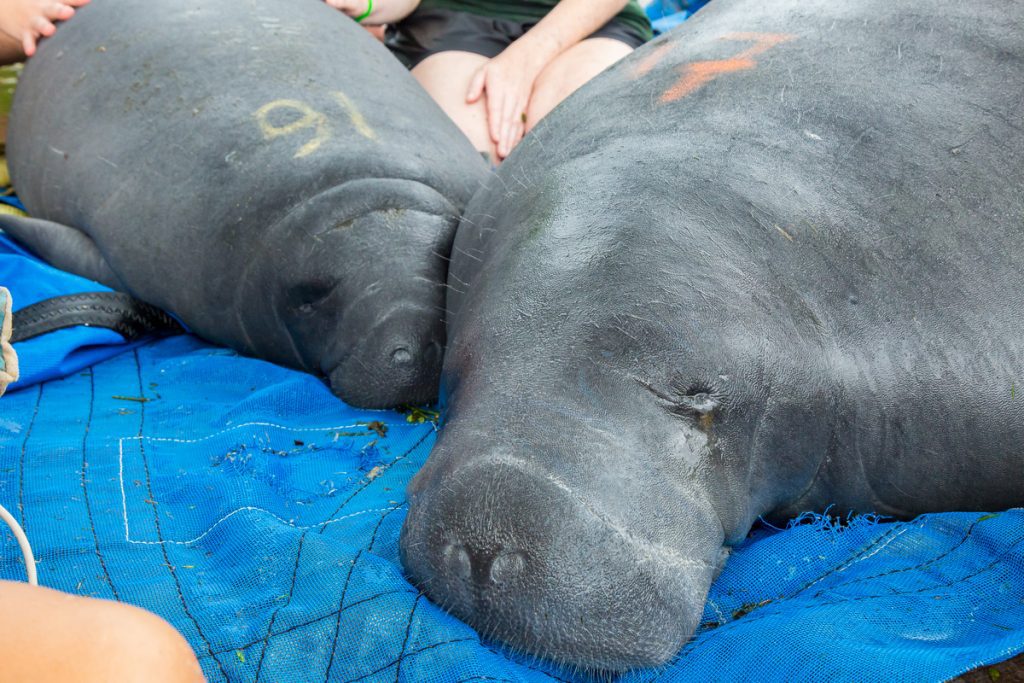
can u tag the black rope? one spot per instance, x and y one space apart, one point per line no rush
115 311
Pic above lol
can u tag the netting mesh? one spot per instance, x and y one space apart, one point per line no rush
260 516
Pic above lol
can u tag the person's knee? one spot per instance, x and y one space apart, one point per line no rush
446 77
570 71
47 635
135 645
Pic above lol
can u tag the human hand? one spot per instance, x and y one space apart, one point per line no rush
375 12
508 81
29 20
353 8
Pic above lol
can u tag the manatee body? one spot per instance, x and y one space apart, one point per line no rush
263 169
772 262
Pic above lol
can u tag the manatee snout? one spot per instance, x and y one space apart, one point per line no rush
396 361
526 558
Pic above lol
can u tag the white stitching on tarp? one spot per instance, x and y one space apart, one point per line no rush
248 508
275 426
254 509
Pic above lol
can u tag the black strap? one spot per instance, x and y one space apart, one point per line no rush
115 311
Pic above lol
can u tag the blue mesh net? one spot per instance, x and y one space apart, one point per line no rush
667 14
260 516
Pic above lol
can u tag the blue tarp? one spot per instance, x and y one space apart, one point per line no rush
260 515
667 14
65 351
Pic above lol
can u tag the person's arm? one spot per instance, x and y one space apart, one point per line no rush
381 11
508 78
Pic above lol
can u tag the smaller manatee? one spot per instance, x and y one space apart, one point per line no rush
263 169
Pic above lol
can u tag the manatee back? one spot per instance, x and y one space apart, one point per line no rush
829 192
254 98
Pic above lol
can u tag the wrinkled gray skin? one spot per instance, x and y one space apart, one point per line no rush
799 285
312 232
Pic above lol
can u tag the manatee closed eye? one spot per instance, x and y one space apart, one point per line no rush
275 203
748 277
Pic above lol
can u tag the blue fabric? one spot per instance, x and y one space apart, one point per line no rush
260 516
12 200
667 14
63 352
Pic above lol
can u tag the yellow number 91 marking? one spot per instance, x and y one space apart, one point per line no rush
309 119
355 116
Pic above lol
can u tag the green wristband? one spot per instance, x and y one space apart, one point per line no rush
369 10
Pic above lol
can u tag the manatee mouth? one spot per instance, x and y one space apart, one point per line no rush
397 361
522 558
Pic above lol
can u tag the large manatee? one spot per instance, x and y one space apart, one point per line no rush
263 169
772 262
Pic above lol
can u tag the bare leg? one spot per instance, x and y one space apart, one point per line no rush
446 76
46 635
570 70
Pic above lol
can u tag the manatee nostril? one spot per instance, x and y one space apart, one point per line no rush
405 355
401 355
507 566
456 558
481 567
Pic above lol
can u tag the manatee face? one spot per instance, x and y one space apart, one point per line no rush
578 499
565 531
364 304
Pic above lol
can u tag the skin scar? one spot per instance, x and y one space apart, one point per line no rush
310 119
697 74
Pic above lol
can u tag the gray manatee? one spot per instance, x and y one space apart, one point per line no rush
771 262
263 169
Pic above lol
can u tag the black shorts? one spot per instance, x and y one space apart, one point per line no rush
429 31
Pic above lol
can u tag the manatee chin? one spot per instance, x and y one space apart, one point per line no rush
605 578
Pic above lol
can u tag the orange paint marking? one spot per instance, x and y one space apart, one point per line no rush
698 74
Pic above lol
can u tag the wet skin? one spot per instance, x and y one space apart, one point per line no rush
768 264
263 169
